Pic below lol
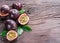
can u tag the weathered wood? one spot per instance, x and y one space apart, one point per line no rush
44 21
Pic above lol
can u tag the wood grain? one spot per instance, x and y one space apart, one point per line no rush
44 21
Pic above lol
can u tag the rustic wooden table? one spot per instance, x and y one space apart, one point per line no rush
44 21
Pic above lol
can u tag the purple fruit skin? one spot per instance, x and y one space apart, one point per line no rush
17 6
10 24
5 9
14 14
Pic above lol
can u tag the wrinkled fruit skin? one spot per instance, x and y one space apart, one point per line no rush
10 24
5 9
14 14
17 6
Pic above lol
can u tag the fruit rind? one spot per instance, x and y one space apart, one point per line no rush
2 14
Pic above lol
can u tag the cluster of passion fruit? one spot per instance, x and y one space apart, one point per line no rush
15 20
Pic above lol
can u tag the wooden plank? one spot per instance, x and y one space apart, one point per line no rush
44 21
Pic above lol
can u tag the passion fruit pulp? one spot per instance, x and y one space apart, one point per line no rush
11 35
23 19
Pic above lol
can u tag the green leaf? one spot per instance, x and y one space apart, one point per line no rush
20 30
21 11
3 33
26 28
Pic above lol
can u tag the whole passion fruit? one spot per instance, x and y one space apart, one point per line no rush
23 19
10 24
14 14
17 6
5 9
11 35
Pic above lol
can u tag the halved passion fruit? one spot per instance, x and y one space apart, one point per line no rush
23 19
3 14
11 35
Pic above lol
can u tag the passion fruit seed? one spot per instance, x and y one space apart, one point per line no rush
11 35
23 19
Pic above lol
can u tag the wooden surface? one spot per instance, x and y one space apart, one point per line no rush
44 21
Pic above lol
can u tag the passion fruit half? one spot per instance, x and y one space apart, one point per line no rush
23 19
11 35
2 14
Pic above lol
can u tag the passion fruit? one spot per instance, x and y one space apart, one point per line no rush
3 16
17 6
10 24
11 35
5 9
23 19
14 14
